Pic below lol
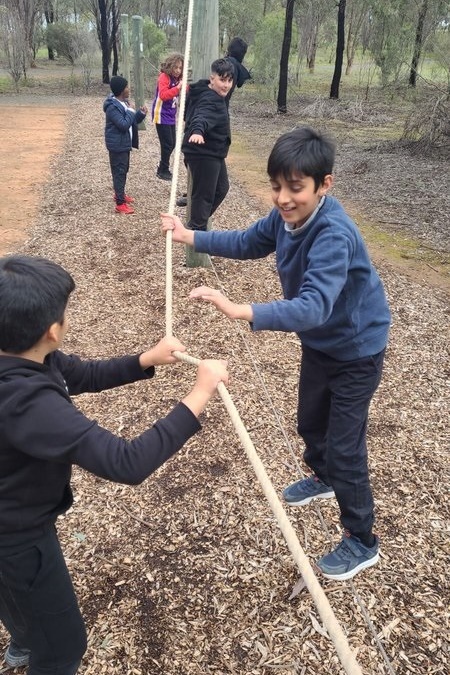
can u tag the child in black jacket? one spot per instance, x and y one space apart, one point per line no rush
42 434
207 137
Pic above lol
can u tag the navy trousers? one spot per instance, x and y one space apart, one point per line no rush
38 605
209 188
119 163
334 399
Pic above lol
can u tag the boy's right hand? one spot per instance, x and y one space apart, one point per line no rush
180 233
209 373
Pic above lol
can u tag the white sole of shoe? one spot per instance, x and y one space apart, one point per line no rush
353 572
303 502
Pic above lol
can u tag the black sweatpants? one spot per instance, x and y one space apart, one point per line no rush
209 188
38 605
167 136
119 163
334 399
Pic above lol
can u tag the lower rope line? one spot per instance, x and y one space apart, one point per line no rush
330 622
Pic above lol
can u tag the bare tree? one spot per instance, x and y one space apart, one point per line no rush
284 61
418 43
27 13
107 21
13 42
340 45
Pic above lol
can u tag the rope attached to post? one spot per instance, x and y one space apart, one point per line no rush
176 168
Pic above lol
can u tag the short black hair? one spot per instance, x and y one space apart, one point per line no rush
303 151
223 68
33 295
237 49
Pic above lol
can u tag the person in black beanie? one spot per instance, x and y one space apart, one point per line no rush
121 135
236 51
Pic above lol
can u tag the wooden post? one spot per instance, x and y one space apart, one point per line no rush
125 45
204 50
138 62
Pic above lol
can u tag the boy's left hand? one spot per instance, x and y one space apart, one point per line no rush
161 354
231 309
143 109
196 138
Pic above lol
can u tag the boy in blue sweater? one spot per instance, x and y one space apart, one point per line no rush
334 300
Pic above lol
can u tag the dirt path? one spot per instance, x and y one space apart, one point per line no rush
187 574
30 137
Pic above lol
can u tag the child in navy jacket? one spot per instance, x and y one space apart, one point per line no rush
121 135
334 300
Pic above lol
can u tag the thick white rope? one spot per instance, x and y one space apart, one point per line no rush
176 168
330 622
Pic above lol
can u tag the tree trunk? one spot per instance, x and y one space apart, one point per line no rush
284 61
104 42
49 19
418 44
340 45
114 34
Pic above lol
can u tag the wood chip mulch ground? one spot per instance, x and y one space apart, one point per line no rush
188 574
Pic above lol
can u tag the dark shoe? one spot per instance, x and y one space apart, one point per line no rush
349 558
304 491
124 208
16 656
181 201
164 174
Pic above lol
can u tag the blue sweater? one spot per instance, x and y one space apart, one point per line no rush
334 298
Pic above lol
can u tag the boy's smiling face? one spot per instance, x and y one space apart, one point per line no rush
297 197
221 85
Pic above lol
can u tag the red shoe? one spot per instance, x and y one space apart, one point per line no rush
124 208
128 199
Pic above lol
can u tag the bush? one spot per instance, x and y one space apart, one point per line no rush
68 40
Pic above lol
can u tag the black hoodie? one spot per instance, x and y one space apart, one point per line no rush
206 114
42 434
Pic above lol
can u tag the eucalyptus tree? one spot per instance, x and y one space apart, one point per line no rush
340 44
284 60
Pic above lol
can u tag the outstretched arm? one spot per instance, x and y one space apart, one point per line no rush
231 309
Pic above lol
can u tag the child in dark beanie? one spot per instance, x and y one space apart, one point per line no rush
121 135
236 51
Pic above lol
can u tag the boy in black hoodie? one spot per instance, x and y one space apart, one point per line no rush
206 140
42 434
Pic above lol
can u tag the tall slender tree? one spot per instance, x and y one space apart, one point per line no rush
340 45
418 43
284 60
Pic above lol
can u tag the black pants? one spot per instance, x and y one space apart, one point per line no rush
120 163
167 136
334 399
209 188
38 605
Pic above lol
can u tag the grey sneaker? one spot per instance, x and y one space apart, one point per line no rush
16 656
303 491
349 558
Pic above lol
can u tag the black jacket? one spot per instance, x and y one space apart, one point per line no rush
240 77
206 114
42 434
